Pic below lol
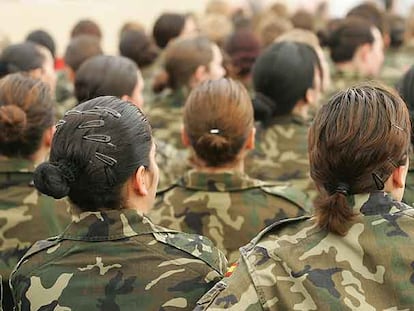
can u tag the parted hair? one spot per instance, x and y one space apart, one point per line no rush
26 111
96 148
218 116
357 139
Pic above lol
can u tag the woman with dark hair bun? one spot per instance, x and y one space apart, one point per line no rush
26 131
287 83
111 256
348 256
217 199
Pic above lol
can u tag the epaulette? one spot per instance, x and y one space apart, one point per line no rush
276 225
39 246
289 193
194 244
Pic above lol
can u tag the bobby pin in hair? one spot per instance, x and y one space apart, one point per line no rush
99 138
397 127
71 112
111 111
214 131
378 181
92 124
106 159
60 123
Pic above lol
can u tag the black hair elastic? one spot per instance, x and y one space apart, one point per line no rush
342 188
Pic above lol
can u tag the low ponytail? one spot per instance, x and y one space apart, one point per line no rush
333 213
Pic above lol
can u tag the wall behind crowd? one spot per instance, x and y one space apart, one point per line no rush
18 18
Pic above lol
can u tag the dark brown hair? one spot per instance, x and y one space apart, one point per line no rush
348 35
168 26
80 49
26 111
355 143
182 58
86 27
372 14
218 116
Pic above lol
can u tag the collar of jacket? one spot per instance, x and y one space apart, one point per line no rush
218 182
109 225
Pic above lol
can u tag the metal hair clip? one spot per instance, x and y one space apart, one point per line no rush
60 123
378 181
92 124
397 127
91 112
111 111
71 112
98 138
214 131
105 159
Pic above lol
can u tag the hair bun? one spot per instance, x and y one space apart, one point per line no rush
50 180
13 122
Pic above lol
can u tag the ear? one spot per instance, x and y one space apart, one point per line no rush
36 73
398 176
200 74
251 139
364 51
139 184
310 96
48 136
184 137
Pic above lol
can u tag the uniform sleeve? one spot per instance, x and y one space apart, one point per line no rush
236 292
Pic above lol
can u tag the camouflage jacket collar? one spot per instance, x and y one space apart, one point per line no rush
176 98
346 75
381 203
12 165
218 182
109 225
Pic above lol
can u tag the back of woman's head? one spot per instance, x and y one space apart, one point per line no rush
182 58
168 26
243 47
96 148
26 111
137 46
105 75
43 38
86 27
347 37
81 48
355 143
281 76
21 57
406 89
218 116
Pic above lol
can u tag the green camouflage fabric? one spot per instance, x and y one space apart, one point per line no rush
25 215
229 208
281 153
65 96
116 260
409 183
342 80
295 265
396 63
165 114
172 163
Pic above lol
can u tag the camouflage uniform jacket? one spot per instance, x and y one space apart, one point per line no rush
25 215
295 265
116 260
396 63
229 208
281 153
165 114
